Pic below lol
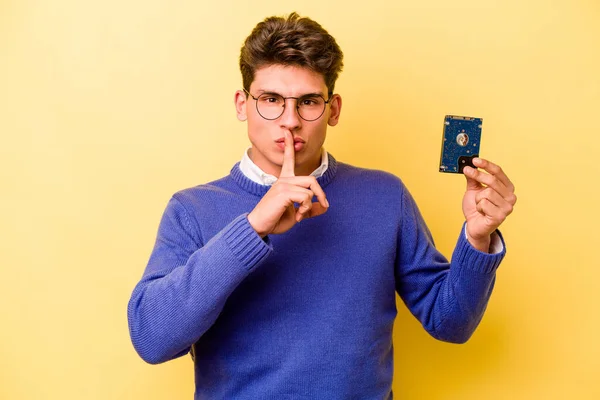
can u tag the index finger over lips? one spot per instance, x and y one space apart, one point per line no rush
289 159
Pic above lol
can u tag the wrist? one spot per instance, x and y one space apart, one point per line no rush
482 245
254 225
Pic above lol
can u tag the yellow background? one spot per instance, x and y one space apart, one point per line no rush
107 108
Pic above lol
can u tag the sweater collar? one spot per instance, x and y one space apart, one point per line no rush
259 190
257 175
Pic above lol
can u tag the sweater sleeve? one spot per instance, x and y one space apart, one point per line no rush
186 283
449 299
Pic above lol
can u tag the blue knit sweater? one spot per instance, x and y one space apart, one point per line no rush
307 314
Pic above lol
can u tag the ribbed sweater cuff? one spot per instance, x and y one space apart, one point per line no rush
245 243
469 257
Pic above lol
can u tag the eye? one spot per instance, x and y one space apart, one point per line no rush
270 99
310 101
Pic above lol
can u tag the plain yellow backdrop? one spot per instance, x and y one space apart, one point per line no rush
107 108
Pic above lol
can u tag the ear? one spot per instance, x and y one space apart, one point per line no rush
240 105
335 108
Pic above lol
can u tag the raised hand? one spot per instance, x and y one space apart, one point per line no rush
489 199
275 213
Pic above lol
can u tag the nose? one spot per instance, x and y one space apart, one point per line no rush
290 119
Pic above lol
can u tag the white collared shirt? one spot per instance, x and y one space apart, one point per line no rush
257 175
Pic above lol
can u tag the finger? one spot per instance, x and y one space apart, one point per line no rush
305 205
310 182
488 180
291 193
303 197
494 197
472 184
495 170
289 159
495 214
316 210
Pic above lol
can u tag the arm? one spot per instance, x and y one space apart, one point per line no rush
187 283
449 299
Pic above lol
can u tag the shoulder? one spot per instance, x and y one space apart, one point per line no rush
213 188
220 191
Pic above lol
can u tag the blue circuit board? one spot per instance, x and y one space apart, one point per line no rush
460 143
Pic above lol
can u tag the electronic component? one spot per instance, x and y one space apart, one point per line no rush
460 143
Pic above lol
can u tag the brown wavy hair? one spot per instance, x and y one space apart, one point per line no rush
294 41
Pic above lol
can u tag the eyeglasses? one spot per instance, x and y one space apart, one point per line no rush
271 106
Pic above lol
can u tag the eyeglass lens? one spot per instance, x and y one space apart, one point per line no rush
271 106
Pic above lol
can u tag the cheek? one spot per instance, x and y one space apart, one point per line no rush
318 133
260 132
256 126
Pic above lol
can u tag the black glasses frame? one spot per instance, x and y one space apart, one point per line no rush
284 103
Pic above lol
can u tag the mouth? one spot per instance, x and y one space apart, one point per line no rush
299 143
296 140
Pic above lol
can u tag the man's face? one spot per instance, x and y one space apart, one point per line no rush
267 136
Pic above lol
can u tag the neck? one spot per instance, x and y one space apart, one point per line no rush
259 189
300 169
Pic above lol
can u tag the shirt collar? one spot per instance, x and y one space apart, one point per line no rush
255 174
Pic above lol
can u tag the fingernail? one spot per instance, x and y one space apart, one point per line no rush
327 203
477 160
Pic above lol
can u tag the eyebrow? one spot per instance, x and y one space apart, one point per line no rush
263 91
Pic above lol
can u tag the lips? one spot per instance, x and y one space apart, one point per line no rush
296 140
298 143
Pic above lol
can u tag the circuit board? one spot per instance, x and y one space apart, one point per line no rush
460 143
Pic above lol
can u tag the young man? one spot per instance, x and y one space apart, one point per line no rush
279 296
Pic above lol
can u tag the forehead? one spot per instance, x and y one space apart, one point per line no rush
288 80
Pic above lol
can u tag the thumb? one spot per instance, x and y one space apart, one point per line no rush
472 184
